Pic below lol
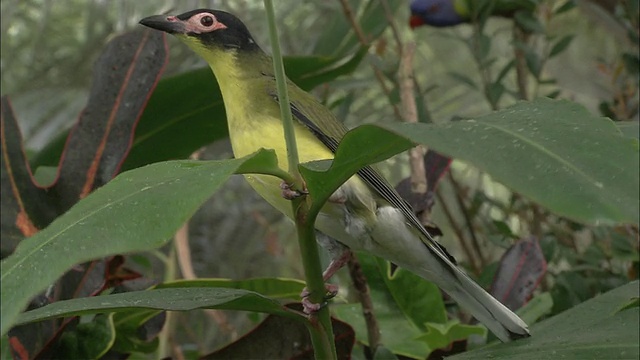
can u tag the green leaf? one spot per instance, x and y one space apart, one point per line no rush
135 332
463 79
138 210
568 5
413 295
594 329
174 299
560 45
631 63
505 70
495 91
484 47
382 353
533 61
401 323
324 177
441 335
90 340
528 22
272 287
554 152
539 306
629 129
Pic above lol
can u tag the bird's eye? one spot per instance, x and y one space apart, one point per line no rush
206 21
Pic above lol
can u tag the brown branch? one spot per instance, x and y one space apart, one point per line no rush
348 12
457 231
183 256
364 296
388 14
519 35
467 218
410 115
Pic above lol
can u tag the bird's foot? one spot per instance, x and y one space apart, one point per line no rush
311 308
289 193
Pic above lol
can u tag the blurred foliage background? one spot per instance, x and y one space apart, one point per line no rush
48 48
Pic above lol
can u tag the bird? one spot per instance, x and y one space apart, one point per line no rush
446 13
438 13
365 213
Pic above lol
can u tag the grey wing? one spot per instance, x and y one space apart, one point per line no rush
375 181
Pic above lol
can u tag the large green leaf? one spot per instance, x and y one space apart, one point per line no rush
601 328
272 287
139 210
175 299
554 152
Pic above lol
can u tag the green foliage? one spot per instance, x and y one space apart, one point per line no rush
606 330
555 172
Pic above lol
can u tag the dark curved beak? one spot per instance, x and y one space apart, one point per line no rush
166 23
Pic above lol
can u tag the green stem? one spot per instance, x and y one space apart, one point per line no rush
283 95
319 326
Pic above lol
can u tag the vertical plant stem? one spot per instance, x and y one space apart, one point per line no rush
410 115
283 95
519 35
319 326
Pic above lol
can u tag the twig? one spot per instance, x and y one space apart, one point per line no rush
519 35
364 296
457 231
348 12
183 252
183 256
485 73
463 209
410 115
388 14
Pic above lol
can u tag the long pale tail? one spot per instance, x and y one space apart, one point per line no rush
498 318
430 261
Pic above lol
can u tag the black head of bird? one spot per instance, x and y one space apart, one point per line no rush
209 27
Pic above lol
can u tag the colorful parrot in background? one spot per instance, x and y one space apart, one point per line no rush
443 13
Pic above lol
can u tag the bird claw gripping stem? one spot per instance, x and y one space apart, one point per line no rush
311 308
289 193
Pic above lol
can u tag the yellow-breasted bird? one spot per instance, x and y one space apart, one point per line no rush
366 213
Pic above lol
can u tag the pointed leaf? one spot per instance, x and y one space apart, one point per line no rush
554 152
274 288
591 330
174 299
521 269
560 45
139 210
282 338
123 78
26 207
324 177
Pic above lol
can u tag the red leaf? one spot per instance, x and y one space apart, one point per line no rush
520 271
123 79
